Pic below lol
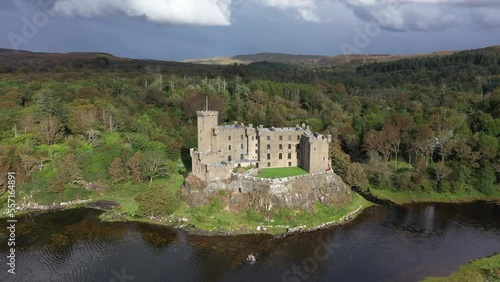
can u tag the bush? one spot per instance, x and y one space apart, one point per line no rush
156 201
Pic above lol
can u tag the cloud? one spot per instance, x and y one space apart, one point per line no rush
191 12
486 17
306 8
425 15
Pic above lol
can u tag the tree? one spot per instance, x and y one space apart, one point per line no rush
134 164
352 173
425 142
441 172
27 123
82 119
378 141
393 137
93 137
49 130
153 165
49 104
157 201
117 170
67 173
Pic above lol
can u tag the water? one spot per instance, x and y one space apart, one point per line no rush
382 244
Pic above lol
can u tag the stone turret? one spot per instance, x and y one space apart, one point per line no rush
207 120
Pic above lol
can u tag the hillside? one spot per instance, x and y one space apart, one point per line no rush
312 60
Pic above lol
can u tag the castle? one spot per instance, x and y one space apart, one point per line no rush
221 148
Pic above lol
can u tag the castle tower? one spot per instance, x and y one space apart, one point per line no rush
207 120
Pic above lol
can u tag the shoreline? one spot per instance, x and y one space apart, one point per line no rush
111 214
404 198
265 230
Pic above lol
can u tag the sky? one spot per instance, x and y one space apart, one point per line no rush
188 29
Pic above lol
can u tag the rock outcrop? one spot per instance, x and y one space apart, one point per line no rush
241 192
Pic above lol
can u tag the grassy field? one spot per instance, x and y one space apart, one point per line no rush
281 172
486 269
405 197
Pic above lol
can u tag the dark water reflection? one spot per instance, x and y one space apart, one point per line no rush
382 244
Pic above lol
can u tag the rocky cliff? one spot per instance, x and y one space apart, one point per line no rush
242 192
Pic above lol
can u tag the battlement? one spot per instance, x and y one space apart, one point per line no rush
207 113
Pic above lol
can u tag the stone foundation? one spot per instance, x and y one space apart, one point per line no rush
243 192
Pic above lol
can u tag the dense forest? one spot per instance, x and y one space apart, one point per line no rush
75 127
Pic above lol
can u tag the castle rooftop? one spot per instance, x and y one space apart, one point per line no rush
281 129
207 113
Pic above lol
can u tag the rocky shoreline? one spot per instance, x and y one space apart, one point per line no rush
111 214
88 203
191 229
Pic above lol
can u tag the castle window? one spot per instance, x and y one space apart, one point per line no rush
268 138
289 155
256 145
256 151
298 137
229 148
268 164
314 148
252 137
323 158
289 163
268 156
241 145
228 158
290 137
281 146
269 146
241 137
241 157
229 137
289 146
280 156
281 138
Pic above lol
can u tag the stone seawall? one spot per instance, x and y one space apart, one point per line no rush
265 194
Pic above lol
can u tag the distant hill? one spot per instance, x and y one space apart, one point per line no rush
317 60
27 61
282 66
260 57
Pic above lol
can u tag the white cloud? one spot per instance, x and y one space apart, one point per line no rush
396 15
402 15
306 8
195 12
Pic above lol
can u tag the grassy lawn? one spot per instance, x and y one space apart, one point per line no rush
405 197
486 269
281 172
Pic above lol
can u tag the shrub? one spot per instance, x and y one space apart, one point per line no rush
157 200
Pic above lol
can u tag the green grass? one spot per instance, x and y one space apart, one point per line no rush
213 217
405 197
281 172
485 269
